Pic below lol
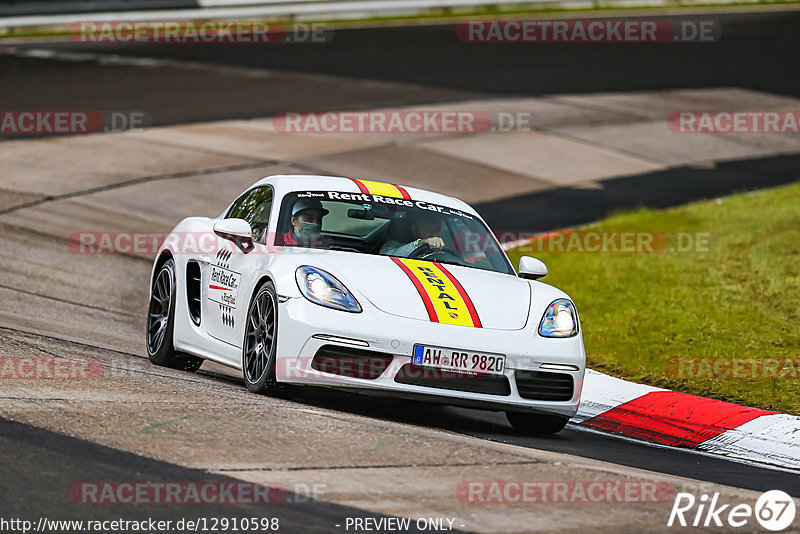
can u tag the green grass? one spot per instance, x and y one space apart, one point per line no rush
740 299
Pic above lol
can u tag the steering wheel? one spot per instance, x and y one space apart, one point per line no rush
425 252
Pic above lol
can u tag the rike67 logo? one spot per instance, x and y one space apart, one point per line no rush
773 511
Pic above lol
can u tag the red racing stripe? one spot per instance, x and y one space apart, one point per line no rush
421 290
364 189
674 419
473 313
403 192
221 288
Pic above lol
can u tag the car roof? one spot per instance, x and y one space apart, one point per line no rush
288 183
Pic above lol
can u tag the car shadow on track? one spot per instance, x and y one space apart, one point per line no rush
573 440
413 412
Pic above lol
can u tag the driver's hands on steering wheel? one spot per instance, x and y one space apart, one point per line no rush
425 250
435 243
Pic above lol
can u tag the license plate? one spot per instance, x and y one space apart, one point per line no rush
459 360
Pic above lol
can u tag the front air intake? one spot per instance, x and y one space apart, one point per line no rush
350 362
431 377
538 385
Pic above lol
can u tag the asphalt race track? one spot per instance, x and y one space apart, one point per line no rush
573 440
745 57
27 492
147 423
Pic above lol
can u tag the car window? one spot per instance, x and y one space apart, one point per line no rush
254 207
468 242
395 227
338 222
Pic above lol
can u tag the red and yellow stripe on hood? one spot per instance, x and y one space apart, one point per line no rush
369 187
444 298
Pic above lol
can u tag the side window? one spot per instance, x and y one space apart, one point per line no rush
254 207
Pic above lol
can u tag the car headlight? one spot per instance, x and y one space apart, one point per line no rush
560 320
321 287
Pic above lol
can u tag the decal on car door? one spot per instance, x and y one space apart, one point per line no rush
444 298
223 287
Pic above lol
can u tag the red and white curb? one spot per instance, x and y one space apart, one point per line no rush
680 420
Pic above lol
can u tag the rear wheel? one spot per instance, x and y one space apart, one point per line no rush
536 424
161 323
260 341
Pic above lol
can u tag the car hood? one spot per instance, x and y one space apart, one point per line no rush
500 301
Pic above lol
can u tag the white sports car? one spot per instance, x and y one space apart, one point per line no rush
348 283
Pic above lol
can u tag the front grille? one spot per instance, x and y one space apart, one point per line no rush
418 375
349 362
538 385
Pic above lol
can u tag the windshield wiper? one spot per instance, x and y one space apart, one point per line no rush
346 249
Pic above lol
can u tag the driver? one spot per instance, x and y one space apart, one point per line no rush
428 227
307 214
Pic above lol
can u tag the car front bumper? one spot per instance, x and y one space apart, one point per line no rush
305 328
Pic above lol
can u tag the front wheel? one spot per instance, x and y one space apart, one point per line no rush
161 323
260 341
534 423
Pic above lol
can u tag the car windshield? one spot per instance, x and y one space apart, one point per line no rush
373 224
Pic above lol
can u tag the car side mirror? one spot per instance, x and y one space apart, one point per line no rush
531 268
236 230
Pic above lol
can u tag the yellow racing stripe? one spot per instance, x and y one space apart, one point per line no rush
444 298
381 188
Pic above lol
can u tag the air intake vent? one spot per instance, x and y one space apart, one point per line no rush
538 385
349 362
418 375
193 280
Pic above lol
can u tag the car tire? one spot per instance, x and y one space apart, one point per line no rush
536 424
260 342
161 323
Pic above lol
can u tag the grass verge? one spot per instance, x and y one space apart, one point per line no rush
734 303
